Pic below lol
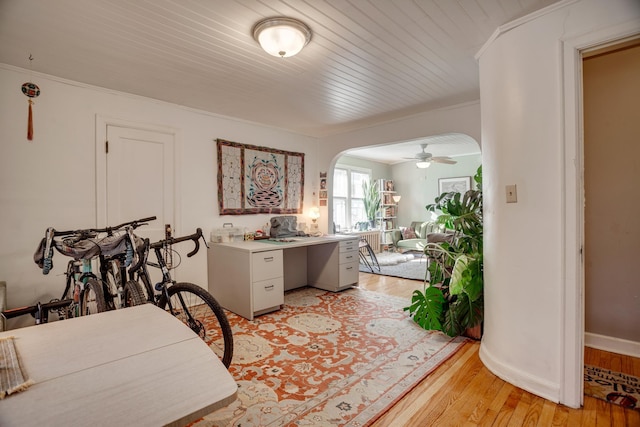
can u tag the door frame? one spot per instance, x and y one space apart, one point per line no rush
102 122
573 300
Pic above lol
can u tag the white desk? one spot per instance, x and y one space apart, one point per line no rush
249 278
135 366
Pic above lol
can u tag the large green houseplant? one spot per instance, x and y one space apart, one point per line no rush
452 300
371 201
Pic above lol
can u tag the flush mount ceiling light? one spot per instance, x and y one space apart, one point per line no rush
281 36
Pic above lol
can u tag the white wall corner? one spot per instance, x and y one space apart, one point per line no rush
545 389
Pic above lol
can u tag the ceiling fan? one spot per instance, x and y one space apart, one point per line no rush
425 159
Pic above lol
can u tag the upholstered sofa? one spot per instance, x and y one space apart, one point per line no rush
417 235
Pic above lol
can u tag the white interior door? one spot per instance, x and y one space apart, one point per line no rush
135 175
139 178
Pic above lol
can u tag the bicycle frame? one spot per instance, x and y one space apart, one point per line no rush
40 311
167 280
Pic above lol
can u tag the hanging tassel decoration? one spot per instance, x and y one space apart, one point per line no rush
31 90
30 124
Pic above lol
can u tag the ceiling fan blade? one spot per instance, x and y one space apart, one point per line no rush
446 160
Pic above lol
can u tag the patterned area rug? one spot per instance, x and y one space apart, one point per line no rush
410 265
327 359
614 387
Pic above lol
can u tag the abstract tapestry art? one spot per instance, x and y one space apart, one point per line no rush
253 179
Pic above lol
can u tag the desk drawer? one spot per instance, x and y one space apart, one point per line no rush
348 273
267 265
348 257
268 293
349 245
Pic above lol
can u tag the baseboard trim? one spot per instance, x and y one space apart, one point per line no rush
612 344
519 378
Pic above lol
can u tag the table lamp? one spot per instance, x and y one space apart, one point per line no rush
314 214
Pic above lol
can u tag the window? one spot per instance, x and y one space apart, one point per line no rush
348 196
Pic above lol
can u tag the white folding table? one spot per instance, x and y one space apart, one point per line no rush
135 366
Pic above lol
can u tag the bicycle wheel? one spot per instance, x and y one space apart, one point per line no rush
92 298
198 309
114 282
133 294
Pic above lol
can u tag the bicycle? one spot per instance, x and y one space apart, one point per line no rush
119 292
191 304
88 293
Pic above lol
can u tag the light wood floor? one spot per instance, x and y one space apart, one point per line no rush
462 392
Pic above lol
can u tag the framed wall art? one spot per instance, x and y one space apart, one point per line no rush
460 184
253 179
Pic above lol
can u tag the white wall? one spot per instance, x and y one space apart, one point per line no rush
419 187
51 180
378 170
523 128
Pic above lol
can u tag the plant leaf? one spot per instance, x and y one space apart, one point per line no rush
456 286
427 308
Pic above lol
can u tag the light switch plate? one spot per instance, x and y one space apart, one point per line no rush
512 194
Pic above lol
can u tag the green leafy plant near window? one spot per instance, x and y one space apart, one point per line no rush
371 200
453 299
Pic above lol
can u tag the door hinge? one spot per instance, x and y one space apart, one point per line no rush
106 146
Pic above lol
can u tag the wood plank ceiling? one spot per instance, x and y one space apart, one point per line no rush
367 62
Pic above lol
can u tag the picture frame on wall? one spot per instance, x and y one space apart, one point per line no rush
254 179
459 184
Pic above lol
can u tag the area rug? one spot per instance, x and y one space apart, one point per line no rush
327 359
412 265
614 387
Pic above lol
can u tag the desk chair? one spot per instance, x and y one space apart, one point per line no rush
365 249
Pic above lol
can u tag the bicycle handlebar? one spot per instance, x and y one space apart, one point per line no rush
144 248
171 240
134 224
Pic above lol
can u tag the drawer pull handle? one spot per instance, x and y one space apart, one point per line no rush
268 259
268 288
349 268
349 257
349 248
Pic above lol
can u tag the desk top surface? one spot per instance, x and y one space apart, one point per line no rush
137 365
284 243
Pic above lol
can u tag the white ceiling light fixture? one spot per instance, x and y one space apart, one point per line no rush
282 36
423 165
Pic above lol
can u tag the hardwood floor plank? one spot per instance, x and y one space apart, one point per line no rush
632 417
603 413
520 411
464 392
481 408
505 413
534 411
546 416
497 404
561 417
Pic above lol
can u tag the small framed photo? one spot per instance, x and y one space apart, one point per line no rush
323 194
460 184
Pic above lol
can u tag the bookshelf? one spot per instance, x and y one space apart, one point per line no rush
388 211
